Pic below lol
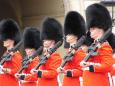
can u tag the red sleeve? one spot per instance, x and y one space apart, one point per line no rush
113 70
15 63
79 57
31 77
53 64
105 54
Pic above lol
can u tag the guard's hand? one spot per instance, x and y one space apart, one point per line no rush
85 68
1 69
87 64
84 64
17 75
21 76
33 71
11 53
6 70
60 70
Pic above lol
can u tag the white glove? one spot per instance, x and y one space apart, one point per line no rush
83 64
33 71
17 75
1 68
85 68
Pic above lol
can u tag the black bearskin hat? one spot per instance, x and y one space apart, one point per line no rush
32 38
98 16
51 30
74 24
9 29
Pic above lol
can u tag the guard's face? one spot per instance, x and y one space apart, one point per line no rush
96 33
29 51
70 38
48 43
8 43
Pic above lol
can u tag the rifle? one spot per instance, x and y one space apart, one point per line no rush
69 56
92 49
44 58
7 56
28 60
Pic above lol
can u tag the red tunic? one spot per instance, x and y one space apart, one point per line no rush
14 64
100 75
74 66
30 80
113 69
49 78
112 74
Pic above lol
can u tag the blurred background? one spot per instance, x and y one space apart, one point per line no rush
31 12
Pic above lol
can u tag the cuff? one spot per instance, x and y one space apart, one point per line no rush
22 77
69 73
39 74
91 68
